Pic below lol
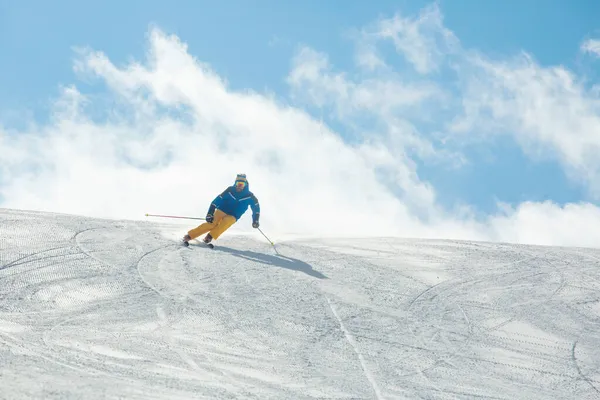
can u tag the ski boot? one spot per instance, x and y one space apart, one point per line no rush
208 239
186 239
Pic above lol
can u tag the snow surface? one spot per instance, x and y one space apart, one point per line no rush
101 309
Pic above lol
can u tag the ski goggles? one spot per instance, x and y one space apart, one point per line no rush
240 184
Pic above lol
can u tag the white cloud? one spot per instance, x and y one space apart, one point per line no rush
169 135
548 111
306 177
591 46
394 104
549 224
368 57
424 40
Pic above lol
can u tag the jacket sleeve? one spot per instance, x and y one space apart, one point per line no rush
216 203
255 209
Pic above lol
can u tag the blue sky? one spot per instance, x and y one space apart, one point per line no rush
235 36
252 45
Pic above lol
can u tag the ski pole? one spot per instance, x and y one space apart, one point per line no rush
172 216
272 244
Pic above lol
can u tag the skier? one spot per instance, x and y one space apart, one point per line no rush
225 210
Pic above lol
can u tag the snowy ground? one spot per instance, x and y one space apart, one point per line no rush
113 309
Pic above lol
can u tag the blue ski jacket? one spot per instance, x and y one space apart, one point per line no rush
236 203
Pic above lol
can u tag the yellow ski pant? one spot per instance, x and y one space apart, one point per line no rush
220 224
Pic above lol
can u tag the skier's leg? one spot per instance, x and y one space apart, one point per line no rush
222 226
199 230
206 227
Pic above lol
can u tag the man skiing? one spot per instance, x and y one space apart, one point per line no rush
225 210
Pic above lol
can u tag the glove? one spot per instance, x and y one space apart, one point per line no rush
255 224
210 218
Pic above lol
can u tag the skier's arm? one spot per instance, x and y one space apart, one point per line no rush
216 203
255 209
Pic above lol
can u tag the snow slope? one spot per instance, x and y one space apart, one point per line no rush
101 309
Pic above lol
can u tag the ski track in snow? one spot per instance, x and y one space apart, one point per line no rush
102 309
352 342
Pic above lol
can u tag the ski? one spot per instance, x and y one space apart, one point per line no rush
203 243
186 244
